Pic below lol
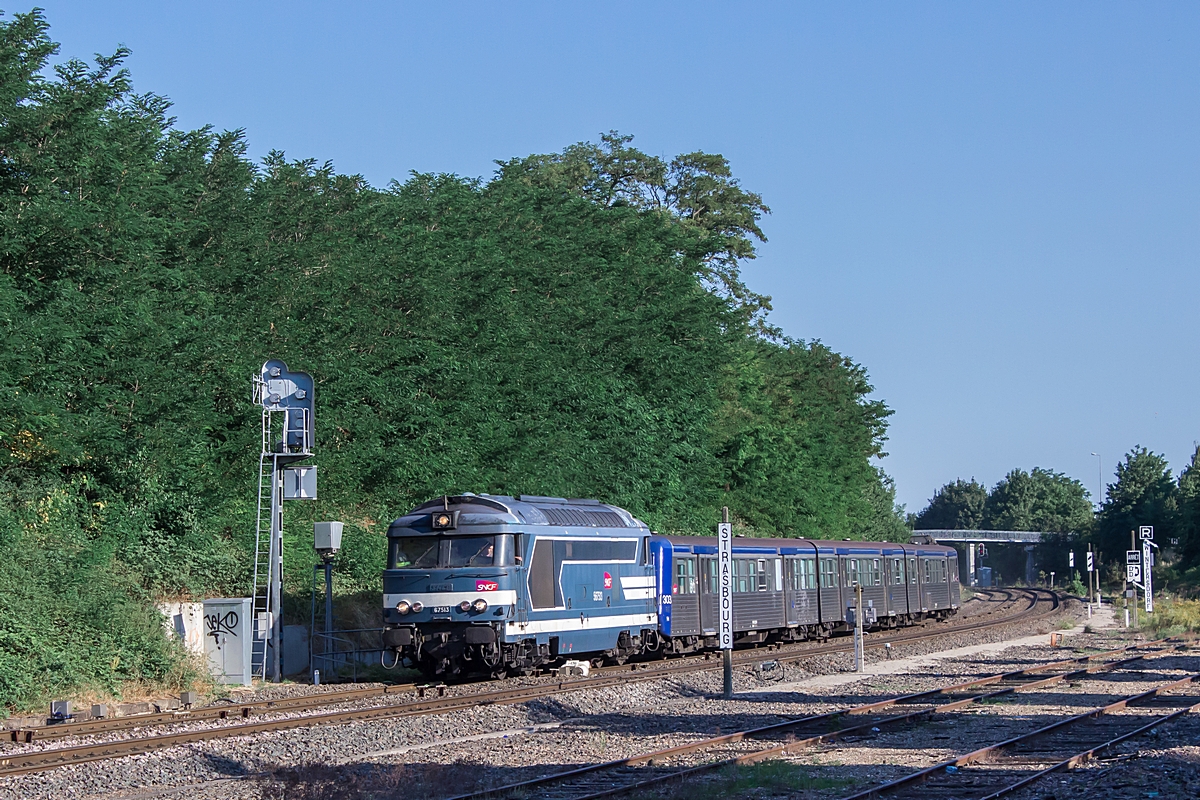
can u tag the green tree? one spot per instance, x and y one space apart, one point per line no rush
1041 500
955 506
1188 520
574 325
1144 493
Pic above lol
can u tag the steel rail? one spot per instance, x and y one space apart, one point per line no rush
993 752
648 670
22 763
820 720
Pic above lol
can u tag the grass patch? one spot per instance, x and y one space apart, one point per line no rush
1171 617
765 779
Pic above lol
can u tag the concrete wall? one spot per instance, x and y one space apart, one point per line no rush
185 620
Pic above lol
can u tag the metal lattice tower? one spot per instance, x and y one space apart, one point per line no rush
288 406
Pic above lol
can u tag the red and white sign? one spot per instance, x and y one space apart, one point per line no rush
486 586
607 581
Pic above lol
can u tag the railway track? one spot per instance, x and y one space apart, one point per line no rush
1005 766
651 770
1036 604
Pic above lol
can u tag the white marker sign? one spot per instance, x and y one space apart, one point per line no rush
1071 559
1133 573
1090 567
725 583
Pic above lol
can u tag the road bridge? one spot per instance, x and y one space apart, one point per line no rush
973 537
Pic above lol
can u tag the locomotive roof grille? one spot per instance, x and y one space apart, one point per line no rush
576 517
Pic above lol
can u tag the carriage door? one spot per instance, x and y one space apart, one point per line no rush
709 597
791 586
914 590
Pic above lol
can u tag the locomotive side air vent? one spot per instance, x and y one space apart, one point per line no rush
585 519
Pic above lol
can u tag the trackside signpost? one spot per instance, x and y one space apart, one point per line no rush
1147 535
725 596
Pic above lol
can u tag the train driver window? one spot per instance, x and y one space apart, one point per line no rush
416 552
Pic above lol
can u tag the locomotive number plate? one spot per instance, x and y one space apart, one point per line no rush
441 609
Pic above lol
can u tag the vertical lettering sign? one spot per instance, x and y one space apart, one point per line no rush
725 584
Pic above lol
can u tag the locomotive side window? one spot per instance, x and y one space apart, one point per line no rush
829 573
685 576
543 588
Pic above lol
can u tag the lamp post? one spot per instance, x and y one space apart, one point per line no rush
1099 479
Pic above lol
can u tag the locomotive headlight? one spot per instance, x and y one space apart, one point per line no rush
479 605
417 606
464 606
403 607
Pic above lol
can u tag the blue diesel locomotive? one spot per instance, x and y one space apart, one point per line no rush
486 585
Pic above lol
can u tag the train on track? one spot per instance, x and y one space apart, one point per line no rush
487 585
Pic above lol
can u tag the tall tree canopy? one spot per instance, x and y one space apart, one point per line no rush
955 506
576 324
1144 493
1040 500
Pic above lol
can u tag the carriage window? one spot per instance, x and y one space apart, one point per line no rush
745 578
876 573
829 573
685 576
912 571
808 573
764 576
897 572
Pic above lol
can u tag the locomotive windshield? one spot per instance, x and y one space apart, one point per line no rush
443 552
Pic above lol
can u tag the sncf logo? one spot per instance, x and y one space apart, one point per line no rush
486 586
607 581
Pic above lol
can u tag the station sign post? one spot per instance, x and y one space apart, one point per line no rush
725 596
1146 533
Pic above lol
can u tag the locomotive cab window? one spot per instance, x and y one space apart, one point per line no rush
445 552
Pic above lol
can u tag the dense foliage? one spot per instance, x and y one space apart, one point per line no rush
1144 492
575 325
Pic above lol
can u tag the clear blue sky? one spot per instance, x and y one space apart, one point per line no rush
992 207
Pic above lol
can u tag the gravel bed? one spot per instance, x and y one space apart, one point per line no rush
596 725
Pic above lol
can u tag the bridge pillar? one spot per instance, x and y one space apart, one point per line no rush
1029 576
970 563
